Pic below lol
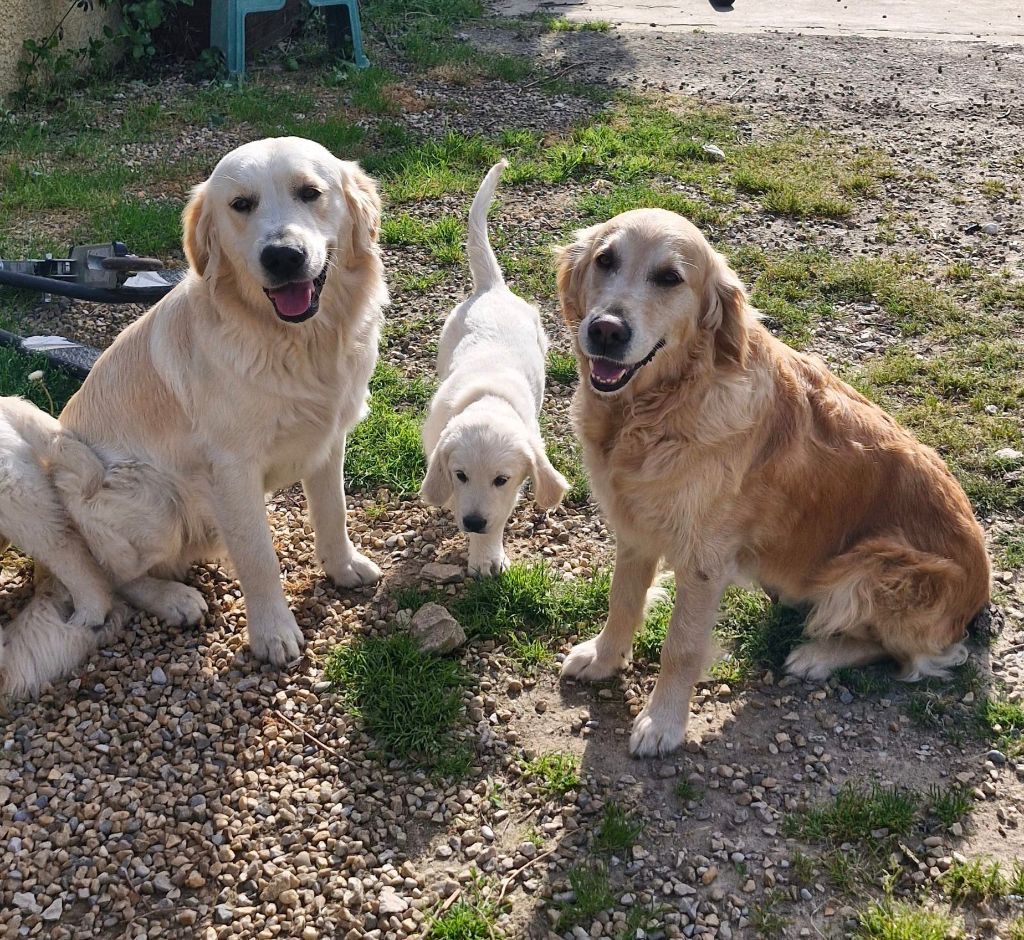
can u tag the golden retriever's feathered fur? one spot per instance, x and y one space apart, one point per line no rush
734 457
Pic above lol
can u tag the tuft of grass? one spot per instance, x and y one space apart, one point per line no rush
898 920
1003 721
688 792
855 814
442 238
410 702
619 830
977 881
801 868
592 894
559 24
385 449
1010 553
865 680
556 772
561 367
949 804
601 206
1016 929
51 394
463 921
767 922
758 633
567 458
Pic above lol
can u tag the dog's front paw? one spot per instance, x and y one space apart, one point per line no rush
656 734
355 571
807 662
176 604
120 614
585 661
91 613
275 639
488 566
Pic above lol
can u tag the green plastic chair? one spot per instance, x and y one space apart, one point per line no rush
227 27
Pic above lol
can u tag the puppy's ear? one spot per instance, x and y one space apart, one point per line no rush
195 222
573 261
725 313
437 484
549 486
363 202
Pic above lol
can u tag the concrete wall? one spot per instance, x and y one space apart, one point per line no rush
34 19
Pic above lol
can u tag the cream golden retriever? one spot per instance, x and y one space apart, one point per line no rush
243 380
481 435
715 447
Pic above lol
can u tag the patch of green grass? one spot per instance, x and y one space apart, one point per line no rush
977 881
949 804
443 238
410 702
462 921
855 813
928 709
801 868
1010 553
411 282
899 920
618 832
559 24
592 894
649 638
758 633
688 792
531 602
561 367
601 205
1003 721
150 227
1016 929
768 923
557 773
385 449
51 394
428 169
567 458
865 680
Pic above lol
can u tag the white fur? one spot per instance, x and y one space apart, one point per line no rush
212 399
482 426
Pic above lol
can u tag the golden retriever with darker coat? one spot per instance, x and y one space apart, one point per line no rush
715 447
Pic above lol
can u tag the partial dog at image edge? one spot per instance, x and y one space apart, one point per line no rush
713 446
481 435
73 607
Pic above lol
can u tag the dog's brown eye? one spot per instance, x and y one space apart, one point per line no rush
460 476
500 481
309 194
605 261
667 278
243 204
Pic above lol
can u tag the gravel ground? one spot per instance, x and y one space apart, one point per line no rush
176 788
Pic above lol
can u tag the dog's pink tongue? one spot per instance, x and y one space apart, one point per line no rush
293 300
606 371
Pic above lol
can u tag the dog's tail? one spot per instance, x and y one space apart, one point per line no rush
482 263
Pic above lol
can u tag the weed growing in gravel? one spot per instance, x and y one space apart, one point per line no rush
567 458
410 702
855 814
619 830
801 868
766 921
464 920
688 792
864 681
977 881
949 804
561 367
558 24
1010 552
899 920
385 449
1016 929
556 772
1004 722
592 894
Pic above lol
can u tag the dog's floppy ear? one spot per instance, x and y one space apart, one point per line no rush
573 261
195 222
725 313
363 202
437 484
549 486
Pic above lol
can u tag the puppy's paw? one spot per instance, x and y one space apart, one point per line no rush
585 661
808 661
355 571
120 614
485 566
656 734
176 604
275 639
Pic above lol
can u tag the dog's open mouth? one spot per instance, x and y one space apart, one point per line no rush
607 375
299 300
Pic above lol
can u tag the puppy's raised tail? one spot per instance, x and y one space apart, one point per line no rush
482 262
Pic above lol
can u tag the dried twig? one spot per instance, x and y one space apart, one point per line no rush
739 88
550 78
312 737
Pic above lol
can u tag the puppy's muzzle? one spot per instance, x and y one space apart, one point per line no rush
474 523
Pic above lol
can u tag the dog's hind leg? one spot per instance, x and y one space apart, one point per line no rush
816 660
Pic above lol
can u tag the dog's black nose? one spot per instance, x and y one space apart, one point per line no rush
474 523
608 335
283 261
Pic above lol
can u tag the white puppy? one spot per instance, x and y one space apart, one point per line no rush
73 596
481 435
243 380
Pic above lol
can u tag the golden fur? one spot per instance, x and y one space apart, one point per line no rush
734 457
